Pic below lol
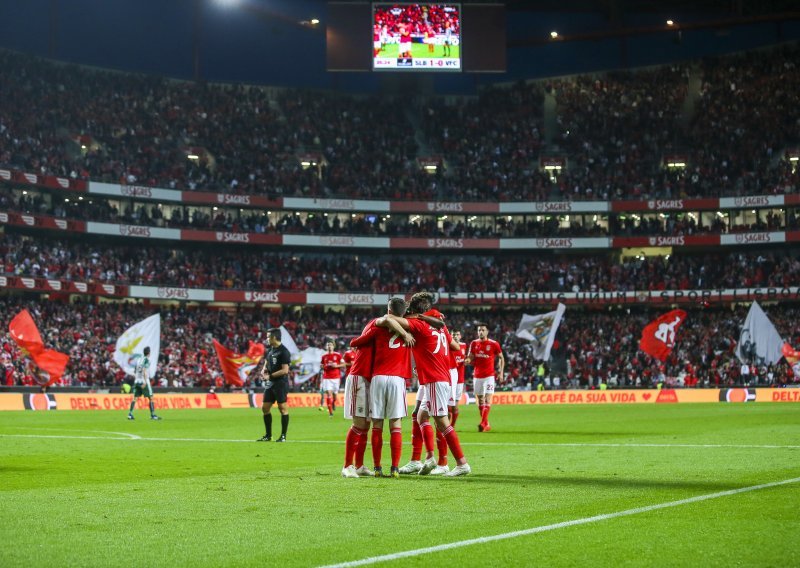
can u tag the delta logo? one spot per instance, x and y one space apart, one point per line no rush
667 396
737 395
39 401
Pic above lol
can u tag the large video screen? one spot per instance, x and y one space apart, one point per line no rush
416 37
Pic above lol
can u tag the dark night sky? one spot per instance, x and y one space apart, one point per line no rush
260 42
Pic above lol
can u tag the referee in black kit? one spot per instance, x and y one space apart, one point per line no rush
276 374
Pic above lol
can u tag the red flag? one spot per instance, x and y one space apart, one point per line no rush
792 356
658 337
236 367
25 333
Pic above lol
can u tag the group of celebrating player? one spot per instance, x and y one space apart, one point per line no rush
413 340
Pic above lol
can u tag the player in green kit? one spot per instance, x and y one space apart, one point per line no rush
141 384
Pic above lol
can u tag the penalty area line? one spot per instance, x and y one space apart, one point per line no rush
556 526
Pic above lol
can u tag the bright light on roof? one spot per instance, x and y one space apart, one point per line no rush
314 21
554 34
670 23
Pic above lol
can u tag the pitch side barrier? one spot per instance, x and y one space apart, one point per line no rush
55 400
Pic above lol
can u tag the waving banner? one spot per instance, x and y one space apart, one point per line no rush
658 337
131 344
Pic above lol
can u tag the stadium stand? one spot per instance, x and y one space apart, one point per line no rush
64 130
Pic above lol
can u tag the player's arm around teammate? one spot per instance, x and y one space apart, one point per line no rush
431 353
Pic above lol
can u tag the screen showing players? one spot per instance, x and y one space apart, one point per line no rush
416 37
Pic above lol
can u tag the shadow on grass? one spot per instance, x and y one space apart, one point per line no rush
611 482
544 434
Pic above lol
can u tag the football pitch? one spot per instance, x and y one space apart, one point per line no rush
637 485
420 51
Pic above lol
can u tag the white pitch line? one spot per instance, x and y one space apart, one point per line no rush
629 445
485 444
565 524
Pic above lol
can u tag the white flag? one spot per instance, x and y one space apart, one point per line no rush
540 330
286 339
759 341
131 344
308 364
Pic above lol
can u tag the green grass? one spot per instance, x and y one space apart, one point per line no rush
173 498
420 50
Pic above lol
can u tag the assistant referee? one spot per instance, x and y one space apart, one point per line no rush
276 374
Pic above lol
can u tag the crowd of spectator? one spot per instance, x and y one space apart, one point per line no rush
592 346
381 273
746 114
417 18
491 145
614 130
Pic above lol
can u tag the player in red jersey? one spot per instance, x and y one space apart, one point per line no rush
483 354
356 407
348 358
376 40
460 357
390 368
405 42
435 319
441 443
432 356
332 366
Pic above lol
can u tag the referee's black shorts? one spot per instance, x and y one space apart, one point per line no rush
277 391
